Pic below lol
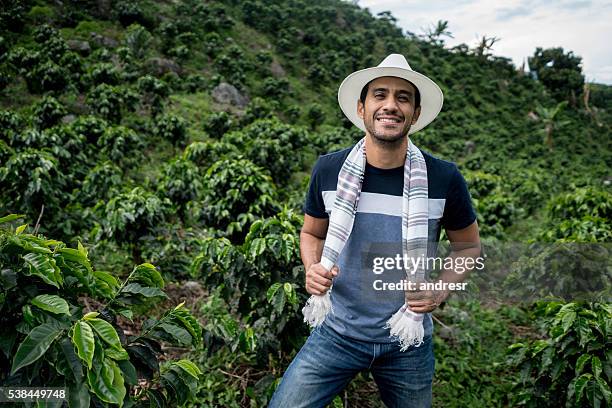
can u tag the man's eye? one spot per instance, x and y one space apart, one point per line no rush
379 96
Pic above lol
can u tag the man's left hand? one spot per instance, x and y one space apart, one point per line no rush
425 301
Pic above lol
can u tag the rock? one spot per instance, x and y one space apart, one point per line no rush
277 69
104 41
68 118
470 147
193 286
228 94
81 47
160 66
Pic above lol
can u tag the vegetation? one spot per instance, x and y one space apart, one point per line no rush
182 134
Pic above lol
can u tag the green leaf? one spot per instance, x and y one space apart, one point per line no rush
83 339
20 229
581 383
116 355
90 315
596 365
72 359
44 267
137 289
51 303
189 367
605 390
189 322
580 363
147 274
106 381
177 333
35 345
78 396
106 332
11 217
258 247
272 291
567 320
129 371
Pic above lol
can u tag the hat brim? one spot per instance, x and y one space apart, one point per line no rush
350 90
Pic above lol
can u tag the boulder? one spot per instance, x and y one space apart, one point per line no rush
277 69
160 66
228 94
104 41
82 47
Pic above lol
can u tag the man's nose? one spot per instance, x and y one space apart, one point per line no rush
390 105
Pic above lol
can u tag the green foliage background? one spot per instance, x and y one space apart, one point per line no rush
108 120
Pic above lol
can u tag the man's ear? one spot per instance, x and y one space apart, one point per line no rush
360 109
416 115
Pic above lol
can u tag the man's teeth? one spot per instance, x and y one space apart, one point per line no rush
388 120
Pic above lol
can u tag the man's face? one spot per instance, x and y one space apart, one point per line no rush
388 111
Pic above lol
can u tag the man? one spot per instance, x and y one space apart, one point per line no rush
388 102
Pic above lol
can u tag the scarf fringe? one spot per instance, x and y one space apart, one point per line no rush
316 309
407 331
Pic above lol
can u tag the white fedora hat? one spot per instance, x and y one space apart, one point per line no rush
394 65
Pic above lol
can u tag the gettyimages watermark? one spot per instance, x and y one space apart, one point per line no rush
502 271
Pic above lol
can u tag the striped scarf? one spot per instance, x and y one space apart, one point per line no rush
405 325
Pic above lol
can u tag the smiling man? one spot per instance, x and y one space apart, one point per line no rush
381 198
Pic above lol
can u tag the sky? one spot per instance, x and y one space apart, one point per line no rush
581 26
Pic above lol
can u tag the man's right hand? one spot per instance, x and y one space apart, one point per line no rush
318 279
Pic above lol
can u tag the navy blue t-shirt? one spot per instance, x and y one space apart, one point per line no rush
360 308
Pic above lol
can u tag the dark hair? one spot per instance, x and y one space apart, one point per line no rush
417 96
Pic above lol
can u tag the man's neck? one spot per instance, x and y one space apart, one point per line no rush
385 156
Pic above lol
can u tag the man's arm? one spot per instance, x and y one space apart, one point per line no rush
312 240
465 243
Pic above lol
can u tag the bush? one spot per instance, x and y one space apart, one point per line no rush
583 215
205 154
171 128
47 77
54 339
279 151
120 144
236 192
109 102
48 112
31 178
181 181
216 124
571 366
153 93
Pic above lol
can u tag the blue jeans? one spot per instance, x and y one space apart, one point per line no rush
328 361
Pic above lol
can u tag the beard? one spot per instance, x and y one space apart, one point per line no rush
386 140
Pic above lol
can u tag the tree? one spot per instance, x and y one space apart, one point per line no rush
560 72
548 117
435 33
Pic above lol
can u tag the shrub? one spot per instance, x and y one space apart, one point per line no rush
216 124
180 182
171 128
130 215
571 366
48 112
119 144
53 338
204 154
46 77
31 178
108 102
236 192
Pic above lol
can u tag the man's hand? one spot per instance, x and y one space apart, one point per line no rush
425 301
318 280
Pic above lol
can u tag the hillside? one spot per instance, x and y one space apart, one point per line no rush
183 133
